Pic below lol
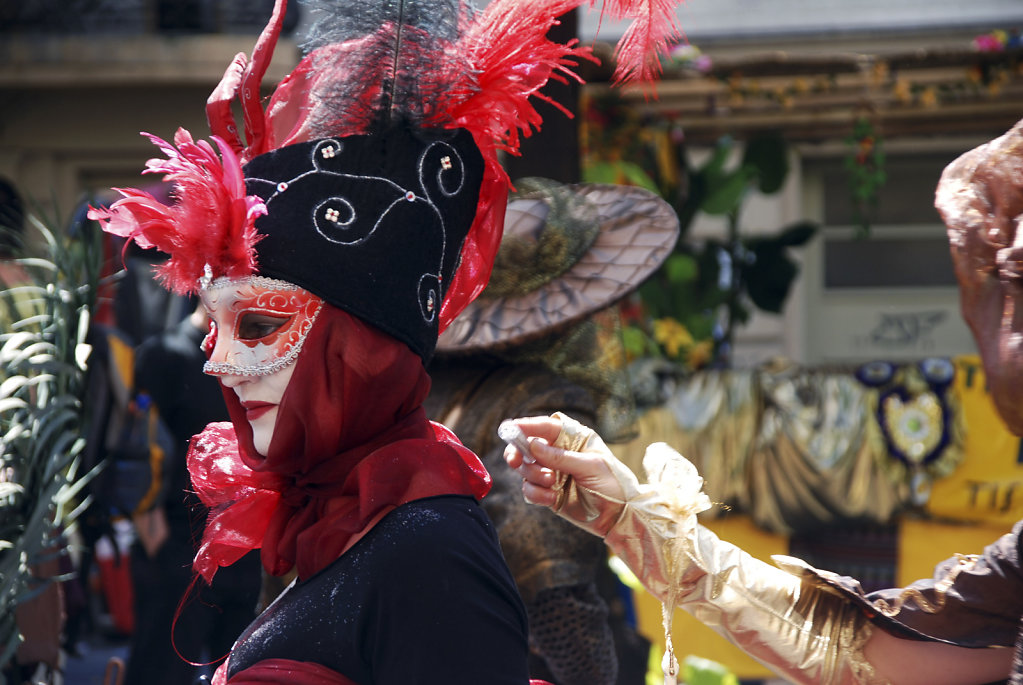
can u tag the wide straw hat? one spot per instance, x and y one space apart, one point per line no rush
568 250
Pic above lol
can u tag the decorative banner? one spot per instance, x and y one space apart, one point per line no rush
988 485
920 420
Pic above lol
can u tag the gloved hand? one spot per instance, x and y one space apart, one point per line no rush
796 627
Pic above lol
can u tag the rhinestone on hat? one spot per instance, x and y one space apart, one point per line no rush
282 186
332 215
410 196
445 162
328 152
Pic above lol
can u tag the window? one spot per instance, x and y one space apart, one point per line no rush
907 246
893 294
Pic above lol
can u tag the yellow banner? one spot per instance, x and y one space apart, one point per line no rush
988 485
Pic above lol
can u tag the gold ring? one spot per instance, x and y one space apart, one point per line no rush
561 486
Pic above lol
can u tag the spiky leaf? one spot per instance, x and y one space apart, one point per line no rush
42 388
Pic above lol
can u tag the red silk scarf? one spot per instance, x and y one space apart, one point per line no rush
351 442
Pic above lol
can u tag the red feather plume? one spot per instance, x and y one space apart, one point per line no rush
653 30
497 65
511 60
212 220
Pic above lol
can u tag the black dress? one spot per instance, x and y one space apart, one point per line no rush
424 598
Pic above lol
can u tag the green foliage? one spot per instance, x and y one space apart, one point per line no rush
719 191
769 156
699 671
620 173
43 357
710 288
705 289
771 271
726 193
621 146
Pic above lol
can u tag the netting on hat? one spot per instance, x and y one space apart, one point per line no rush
568 626
569 224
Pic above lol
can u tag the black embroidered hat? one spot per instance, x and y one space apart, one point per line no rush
372 224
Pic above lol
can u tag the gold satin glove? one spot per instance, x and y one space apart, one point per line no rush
593 511
794 626
788 621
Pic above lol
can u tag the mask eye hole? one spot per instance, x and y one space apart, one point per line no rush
256 325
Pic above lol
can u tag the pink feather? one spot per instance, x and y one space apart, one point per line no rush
512 60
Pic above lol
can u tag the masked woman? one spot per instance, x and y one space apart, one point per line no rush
358 217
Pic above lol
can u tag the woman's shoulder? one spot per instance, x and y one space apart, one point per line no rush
450 533
447 537
432 519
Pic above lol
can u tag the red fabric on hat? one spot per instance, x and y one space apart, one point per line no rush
351 442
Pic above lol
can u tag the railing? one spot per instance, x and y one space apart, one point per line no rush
129 17
819 97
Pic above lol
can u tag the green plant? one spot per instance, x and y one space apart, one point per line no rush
43 356
690 309
865 167
711 287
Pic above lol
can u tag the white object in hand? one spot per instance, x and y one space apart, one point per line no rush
513 435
